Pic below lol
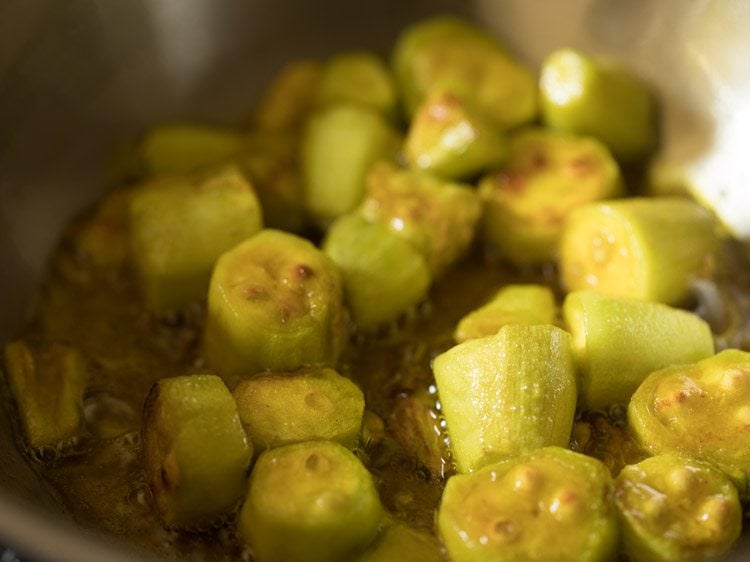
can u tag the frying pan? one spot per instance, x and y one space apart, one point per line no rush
80 79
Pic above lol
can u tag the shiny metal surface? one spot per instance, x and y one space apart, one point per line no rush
79 79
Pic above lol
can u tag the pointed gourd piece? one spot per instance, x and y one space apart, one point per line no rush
589 96
384 275
339 144
674 509
701 410
453 55
618 342
279 409
438 217
644 248
513 304
450 139
47 381
550 504
507 394
310 502
358 77
194 449
180 225
275 303
547 176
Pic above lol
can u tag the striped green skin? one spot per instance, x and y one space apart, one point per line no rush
507 394
618 342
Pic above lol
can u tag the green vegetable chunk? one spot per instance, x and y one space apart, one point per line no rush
287 101
700 411
180 225
47 381
404 544
360 78
588 96
278 409
676 510
507 394
339 145
180 148
448 54
548 175
310 502
384 275
645 248
513 304
551 505
449 139
618 342
275 303
437 217
195 450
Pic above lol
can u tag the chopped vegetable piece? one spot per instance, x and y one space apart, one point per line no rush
270 161
449 54
181 148
275 303
507 394
384 276
645 248
618 342
180 225
700 411
47 381
551 505
449 139
676 510
439 218
310 502
360 78
195 450
278 409
287 101
513 304
548 175
588 96
402 543
340 144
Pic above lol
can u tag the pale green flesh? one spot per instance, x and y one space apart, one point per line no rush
312 501
278 409
552 505
275 302
670 411
675 510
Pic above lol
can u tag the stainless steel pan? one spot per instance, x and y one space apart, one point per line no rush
81 78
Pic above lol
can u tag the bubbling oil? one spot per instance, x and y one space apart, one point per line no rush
99 477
